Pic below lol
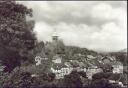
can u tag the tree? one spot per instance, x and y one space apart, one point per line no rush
83 74
107 68
73 80
101 80
120 56
9 59
16 34
38 48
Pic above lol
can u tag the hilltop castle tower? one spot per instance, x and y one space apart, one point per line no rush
55 41
55 37
56 46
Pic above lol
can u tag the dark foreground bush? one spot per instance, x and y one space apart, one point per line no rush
19 79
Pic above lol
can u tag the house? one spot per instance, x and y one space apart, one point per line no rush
39 59
67 64
106 60
93 70
80 69
60 70
117 67
66 71
57 59
90 57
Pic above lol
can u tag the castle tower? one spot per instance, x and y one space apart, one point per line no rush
55 41
55 37
58 46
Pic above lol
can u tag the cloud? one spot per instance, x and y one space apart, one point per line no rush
43 31
97 25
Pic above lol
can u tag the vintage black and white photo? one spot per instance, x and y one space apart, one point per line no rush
63 44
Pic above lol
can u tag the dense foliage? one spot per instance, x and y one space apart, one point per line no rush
16 34
120 56
22 79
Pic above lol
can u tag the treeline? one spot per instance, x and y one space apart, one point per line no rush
68 51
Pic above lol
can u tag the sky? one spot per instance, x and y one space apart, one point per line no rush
96 25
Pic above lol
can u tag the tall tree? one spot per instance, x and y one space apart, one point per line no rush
72 80
16 33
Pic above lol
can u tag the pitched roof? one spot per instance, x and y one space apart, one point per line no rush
58 66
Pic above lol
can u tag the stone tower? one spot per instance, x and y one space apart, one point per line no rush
55 41
55 37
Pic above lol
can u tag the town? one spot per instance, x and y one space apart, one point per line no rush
43 45
81 62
